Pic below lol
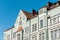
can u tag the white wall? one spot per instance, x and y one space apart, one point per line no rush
20 32
54 11
8 32
21 14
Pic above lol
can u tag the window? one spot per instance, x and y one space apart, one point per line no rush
24 18
26 38
35 37
41 23
51 21
34 27
59 33
20 17
8 37
55 33
41 11
27 30
59 19
29 37
14 35
39 36
42 36
18 37
20 22
51 35
55 20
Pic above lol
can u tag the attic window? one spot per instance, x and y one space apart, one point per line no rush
20 17
41 11
20 22
24 18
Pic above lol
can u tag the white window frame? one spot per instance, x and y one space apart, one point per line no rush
41 23
51 35
8 37
18 36
14 35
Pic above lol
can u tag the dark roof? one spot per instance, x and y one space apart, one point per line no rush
27 14
51 5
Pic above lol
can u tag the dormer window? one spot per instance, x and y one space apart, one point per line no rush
24 18
20 22
20 17
41 11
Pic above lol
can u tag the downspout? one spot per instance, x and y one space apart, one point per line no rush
38 21
47 34
22 34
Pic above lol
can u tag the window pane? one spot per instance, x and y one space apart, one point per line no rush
51 35
42 36
39 36
8 37
35 27
55 33
14 35
55 20
41 23
59 33
29 37
18 37
35 37
59 19
51 21
20 22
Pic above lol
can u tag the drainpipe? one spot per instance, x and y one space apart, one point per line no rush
47 34
22 34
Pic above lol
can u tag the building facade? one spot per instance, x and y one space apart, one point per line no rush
43 24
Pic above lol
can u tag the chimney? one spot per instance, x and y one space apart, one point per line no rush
59 2
33 12
50 4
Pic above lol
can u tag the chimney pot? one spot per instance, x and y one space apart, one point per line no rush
50 4
33 12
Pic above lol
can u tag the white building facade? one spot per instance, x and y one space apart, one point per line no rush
41 25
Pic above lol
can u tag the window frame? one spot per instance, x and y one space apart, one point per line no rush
41 23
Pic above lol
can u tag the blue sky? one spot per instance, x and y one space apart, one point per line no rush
9 10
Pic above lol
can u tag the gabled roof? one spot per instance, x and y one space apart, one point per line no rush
19 29
27 14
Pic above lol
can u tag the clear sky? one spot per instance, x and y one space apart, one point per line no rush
9 10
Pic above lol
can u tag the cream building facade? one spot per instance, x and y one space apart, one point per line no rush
43 24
